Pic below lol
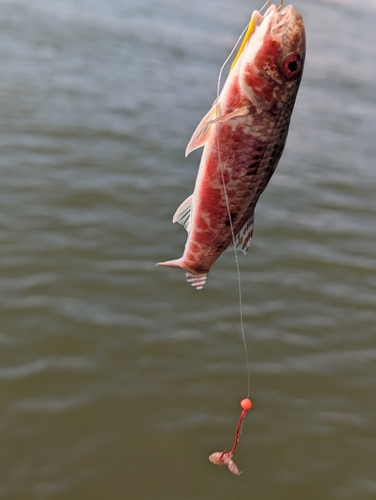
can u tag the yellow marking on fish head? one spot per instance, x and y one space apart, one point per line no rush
249 33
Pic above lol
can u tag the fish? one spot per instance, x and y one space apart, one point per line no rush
243 135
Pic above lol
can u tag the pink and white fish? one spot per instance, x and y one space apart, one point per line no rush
243 135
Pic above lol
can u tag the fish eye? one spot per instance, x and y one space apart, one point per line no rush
291 65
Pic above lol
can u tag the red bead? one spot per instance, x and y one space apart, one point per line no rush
246 404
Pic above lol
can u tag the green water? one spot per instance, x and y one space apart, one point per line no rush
117 379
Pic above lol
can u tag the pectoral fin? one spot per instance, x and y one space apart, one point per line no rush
234 114
201 134
204 128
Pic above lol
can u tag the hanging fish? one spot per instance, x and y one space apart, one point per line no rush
243 135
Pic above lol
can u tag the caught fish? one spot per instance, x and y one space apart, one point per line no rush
243 135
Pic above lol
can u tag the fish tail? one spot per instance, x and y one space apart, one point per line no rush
197 280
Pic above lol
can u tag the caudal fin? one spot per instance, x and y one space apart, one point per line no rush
196 280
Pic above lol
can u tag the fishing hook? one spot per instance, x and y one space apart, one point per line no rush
279 6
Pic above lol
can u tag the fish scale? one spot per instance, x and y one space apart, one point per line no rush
243 135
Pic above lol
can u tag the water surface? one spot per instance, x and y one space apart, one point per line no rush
117 379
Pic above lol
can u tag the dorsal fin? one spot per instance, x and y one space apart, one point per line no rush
201 134
183 213
243 238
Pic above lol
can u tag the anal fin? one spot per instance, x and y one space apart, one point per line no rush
243 238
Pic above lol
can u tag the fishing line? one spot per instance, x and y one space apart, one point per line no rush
229 211
266 4
228 58
230 218
225 458
238 273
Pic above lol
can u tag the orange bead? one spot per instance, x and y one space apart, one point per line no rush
246 404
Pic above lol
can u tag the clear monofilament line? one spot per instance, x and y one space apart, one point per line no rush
233 50
238 274
230 219
242 323
229 214
237 269
227 60
266 4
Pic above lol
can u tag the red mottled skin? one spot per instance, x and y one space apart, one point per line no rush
244 151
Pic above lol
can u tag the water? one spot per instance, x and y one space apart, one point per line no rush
117 379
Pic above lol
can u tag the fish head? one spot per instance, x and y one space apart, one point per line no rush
271 63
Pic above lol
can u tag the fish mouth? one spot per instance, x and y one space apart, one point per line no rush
283 19
279 18
276 17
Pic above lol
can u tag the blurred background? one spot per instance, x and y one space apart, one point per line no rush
117 379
